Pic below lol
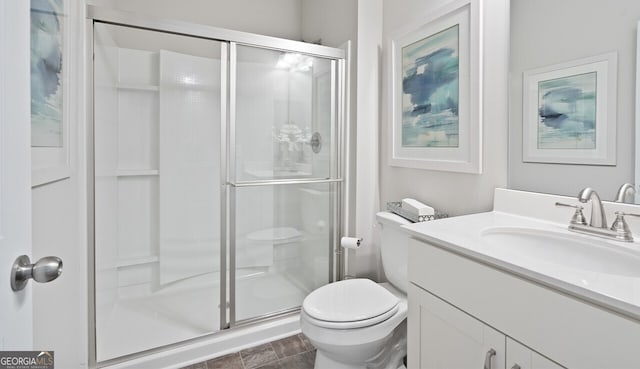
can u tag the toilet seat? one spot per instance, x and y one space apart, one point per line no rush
352 303
354 324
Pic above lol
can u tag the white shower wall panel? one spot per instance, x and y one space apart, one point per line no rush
137 160
105 107
322 117
157 154
300 98
128 164
315 224
106 255
106 187
257 205
137 129
138 67
268 99
139 277
126 104
263 98
189 166
137 217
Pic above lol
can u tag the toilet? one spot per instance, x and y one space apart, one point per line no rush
357 323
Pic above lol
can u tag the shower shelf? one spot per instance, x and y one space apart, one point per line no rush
137 172
137 87
137 261
396 208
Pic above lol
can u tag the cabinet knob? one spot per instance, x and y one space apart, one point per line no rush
487 359
516 366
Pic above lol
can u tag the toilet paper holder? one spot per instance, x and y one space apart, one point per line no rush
352 243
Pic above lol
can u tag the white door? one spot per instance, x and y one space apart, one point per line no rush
15 171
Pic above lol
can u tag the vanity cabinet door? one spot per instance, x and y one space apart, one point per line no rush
442 336
522 357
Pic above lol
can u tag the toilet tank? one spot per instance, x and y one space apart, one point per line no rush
394 249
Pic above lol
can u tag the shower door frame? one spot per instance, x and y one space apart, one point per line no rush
228 39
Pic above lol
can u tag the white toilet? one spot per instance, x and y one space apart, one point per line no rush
357 323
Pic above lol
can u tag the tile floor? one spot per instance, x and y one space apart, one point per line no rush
295 352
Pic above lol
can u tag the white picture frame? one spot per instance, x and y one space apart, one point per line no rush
422 129
637 112
569 112
50 161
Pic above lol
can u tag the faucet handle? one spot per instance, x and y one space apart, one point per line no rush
622 213
621 227
578 217
569 205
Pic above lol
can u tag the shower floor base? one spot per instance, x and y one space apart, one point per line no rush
187 310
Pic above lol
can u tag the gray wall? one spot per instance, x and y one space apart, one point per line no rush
332 21
547 32
454 193
278 18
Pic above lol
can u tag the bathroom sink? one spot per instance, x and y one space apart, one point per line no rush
523 245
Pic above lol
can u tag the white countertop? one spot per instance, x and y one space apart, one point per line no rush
462 235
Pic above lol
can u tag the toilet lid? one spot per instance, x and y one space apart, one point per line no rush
348 301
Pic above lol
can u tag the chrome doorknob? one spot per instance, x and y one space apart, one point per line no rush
44 270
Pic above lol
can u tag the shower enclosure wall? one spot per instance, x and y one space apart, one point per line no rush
217 179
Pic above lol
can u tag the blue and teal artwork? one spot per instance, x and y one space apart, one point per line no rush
46 72
430 83
567 112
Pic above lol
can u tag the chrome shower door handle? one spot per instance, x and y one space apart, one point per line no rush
487 359
316 142
44 270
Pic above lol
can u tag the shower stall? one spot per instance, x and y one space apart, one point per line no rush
217 179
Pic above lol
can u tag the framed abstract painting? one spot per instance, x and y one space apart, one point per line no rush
50 60
436 92
569 112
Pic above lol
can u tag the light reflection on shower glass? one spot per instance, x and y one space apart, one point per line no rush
282 99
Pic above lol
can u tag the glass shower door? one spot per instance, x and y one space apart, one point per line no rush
158 236
284 178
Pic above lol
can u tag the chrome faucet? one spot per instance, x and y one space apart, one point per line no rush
625 193
598 218
598 224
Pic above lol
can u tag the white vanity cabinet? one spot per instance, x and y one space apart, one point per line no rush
443 336
460 307
522 357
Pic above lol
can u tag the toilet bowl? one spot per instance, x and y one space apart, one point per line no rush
357 323
356 333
